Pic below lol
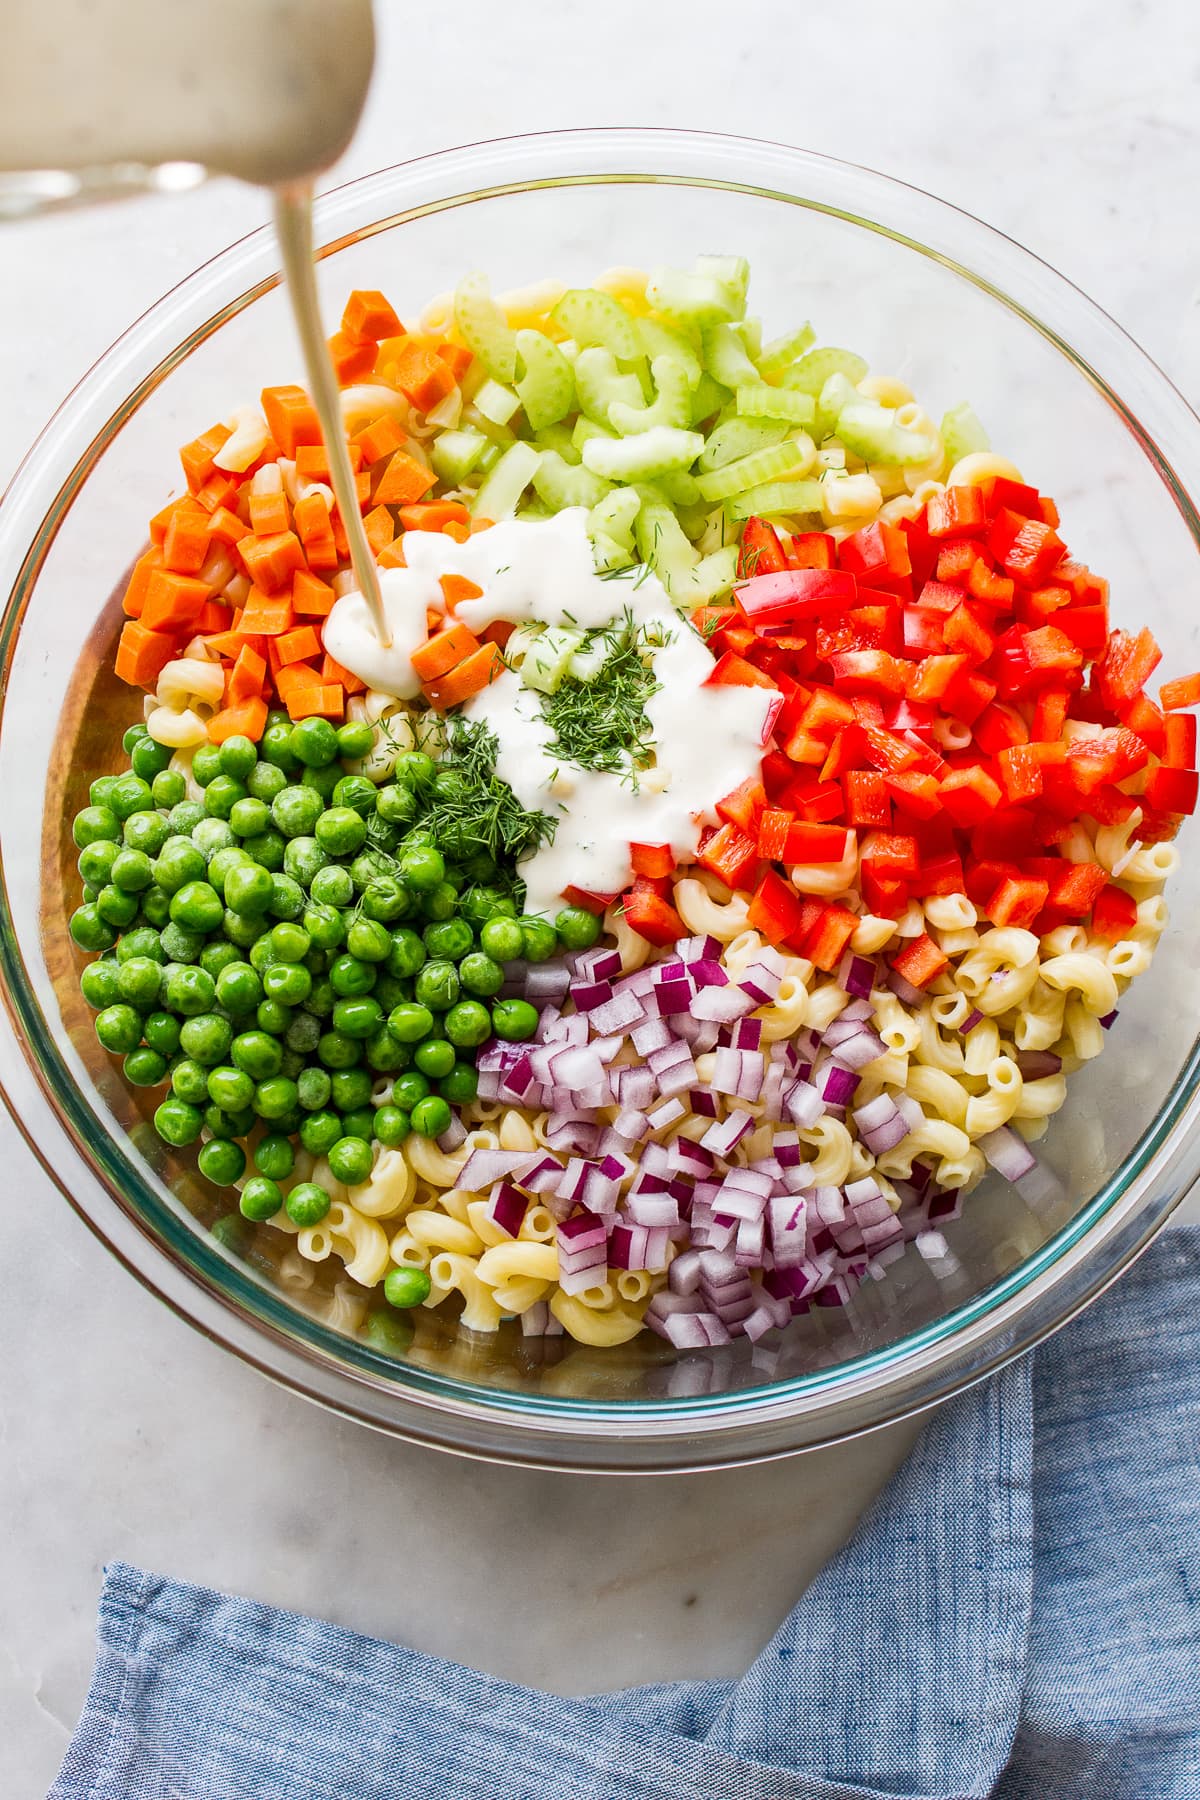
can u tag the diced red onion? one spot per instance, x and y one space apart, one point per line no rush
703 1103
617 1016
803 1105
786 1149
1008 1154
723 1005
880 1125
570 1029
581 1233
1036 1064
454 1135
537 1319
761 981
544 1177
738 1073
932 1246
750 1237
1109 1019
588 995
631 1126
576 1067
506 1208
547 981
945 1204
904 991
858 976
697 949
601 964
839 1088
707 973
673 996
973 1018
484 1168
653 1210
857 1051
726 1134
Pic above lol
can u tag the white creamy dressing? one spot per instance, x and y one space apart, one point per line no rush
707 740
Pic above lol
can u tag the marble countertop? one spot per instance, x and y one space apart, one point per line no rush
124 1434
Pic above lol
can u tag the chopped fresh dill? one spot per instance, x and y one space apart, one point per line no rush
634 573
480 813
601 724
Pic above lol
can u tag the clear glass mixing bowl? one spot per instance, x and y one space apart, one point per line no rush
926 293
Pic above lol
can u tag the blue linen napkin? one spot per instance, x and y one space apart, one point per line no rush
1018 1614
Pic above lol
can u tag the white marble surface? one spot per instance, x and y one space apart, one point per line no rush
123 1434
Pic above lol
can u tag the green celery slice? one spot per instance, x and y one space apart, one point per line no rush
726 357
738 437
496 402
641 458
733 273
560 485
870 431
484 329
672 404
759 400
560 437
548 658
456 454
812 371
793 457
783 351
962 434
608 555
708 399
505 482
594 318
711 577
690 299
598 382
545 380
585 429
616 514
658 339
837 393
773 498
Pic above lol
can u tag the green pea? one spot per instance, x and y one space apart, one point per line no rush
314 743
431 1116
410 1023
274 1156
168 788
241 931
322 1000
480 974
577 928
308 1202
224 1124
206 1038
437 986
264 781
451 939
222 795
138 982
275 1097
184 817
296 810
116 908
211 835
388 1333
290 942
276 746
325 924
313 1088
303 1033
260 1199
409 1089
467 1025
538 939
350 1160
188 991
332 886
422 868
386 900
407 1286
369 941
349 976
288 899
180 944
130 794
320 1131
206 764
218 955
302 858
461 1085
99 983
256 1054
288 983
357 1017
355 740
291 1068
229 1088
156 907
149 758
178 1123
189 1081
435 1057
341 831
221 1161
407 953
144 1068
388 989
95 863
391 1125
502 939
101 789
323 781
161 1031
359 1124
384 1054
478 904
239 989
369 866
146 831
268 848
415 770
514 1020
143 940
222 864
197 907
179 862
132 735
396 805
337 1050
119 1028
351 1089
89 930
249 890
238 756
249 816
356 792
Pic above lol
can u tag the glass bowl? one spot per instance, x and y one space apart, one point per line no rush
926 293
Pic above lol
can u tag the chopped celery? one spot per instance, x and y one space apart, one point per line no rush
589 659
672 404
608 554
496 402
759 400
560 485
662 544
812 371
547 658
545 380
962 434
641 458
559 437
783 351
598 382
505 482
711 577
725 356
455 454
737 437
614 516
870 431
837 393
775 497
691 299
658 339
484 329
680 488
708 399
593 318
583 429
793 457
733 273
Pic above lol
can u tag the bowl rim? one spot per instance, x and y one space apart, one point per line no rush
953 1351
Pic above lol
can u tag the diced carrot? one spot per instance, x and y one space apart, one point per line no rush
173 601
162 518
457 532
438 655
456 587
340 541
197 457
266 615
215 616
268 514
368 314
312 461
292 676
332 671
310 595
479 524
468 677
421 375
219 490
314 527
434 515
393 557
143 568
248 675
224 526
142 655
404 479
247 718
185 542
500 632
300 644
380 528
379 439
231 643
269 561
291 418
321 702
352 360
456 357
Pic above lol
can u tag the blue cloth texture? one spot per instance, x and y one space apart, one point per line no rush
1018 1614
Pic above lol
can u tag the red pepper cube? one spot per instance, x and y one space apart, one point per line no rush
920 961
654 860
969 695
761 552
1075 887
1114 915
1017 496
965 632
891 853
872 670
867 800
958 512
1126 667
731 856
776 910
1020 773
984 584
811 550
1183 692
650 915
810 843
826 945
1179 740
969 794
915 792
998 727
743 806
1017 901
940 875
1027 549
878 555
1172 790
772 834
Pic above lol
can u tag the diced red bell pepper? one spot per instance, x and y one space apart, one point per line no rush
886 895
1006 835
652 917
773 833
1037 606
807 748
807 843
984 875
958 512
1110 756
956 560
732 670
1179 740
1172 790
931 679
922 549
1020 773
590 902
969 695
916 792
1016 496
998 727
1185 691
891 853
867 800
819 805
1027 549
776 910
826 946
811 550
826 713
743 806
984 584
655 860
1126 667
1086 626
878 555
1049 715
965 632
1145 721
761 552
924 630
920 961
940 875
1017 901
796 594
1114 915
848 751
731 856
872 670
940 596
886 752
